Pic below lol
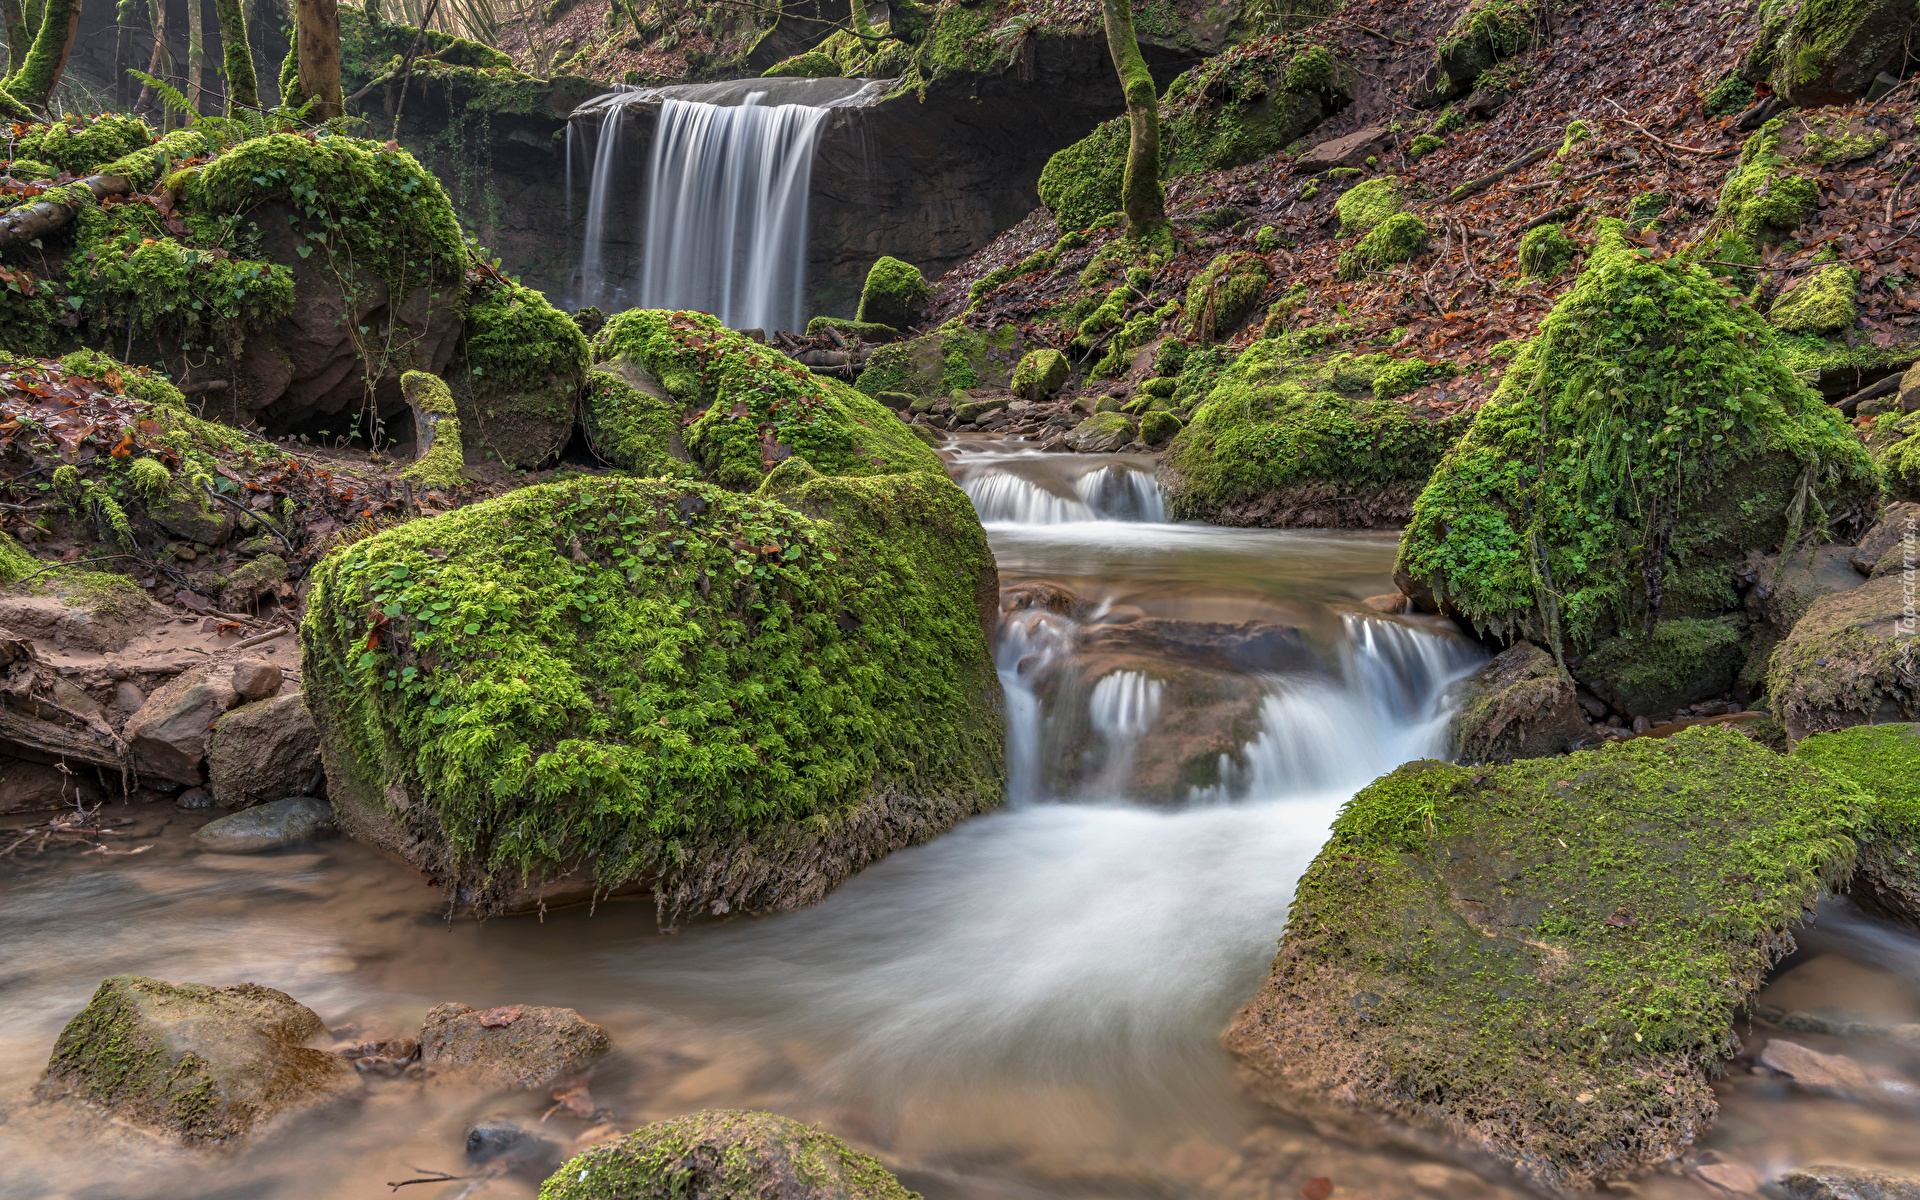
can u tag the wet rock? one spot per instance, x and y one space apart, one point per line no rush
506 1143
169 734
198 797
39 787
1879 551
1826 1182
192 1062
1831 1074
722 1155
1884 761
1392 604
519 1046
1103 433
1845 662
266 826
1678 662
1737 1178
263 751
1520 705
1443 886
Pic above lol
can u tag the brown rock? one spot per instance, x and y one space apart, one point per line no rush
255 679
1890 530
1846 662
1520 705
1827 1182
169 734
1350 151
1910 389
267 750
1832 1074
1393 604
519 1046
37 787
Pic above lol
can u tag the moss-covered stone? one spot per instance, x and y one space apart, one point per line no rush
1398 238
519 382
81 144
894 293
1675 663
1225 294
1103 432
191 1062
1546 251
1423 145
1486 33
1828 51
866 331
725 1155
954 357
1158 426
1847 662
1041 373
1279 436
738 699
1520 705
1664 407
813 64
1364 205
1827 302
1544 960
751 406
1764 198
1884 762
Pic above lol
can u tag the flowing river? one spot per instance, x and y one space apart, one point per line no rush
1028 1006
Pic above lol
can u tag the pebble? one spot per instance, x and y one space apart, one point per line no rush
194 798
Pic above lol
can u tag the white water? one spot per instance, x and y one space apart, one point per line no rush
1114 492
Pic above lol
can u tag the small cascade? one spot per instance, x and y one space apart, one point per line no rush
724 225
1028 644
1111 493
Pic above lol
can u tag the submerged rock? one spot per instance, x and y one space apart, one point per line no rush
727 1154
266 826
1884 761
514 1045
1520 705
1848 1183
1543 960
192 1062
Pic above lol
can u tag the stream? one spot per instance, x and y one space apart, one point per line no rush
1027 1006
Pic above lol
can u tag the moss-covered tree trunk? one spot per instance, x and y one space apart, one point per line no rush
47 60
196 52
317 28
14 18
243 89
1140 195
861 25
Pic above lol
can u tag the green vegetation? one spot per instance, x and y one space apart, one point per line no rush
83 144
813 64
1644 396
1362 207
1764 200
1041 373
654 675
1678 662
894 293
1577 132
1395 240
1731 95
954 357
520 379
1823 303
1546 251
1668 871
1423 145
1224 294
1484 34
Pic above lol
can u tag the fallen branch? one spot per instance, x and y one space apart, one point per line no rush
1847 404
1895 194
261 639
1554 214
53 209
1486 181
1648 133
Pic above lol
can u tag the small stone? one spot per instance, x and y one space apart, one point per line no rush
531 1050
1730 1177
1641 725
267 826
255 679
1317 1188
493 1139
127 697
194 798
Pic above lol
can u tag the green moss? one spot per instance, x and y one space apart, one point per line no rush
894 293
1395 240
82 144
1494 29
108 1056
866 331
811 65
1041 373
443 466
1397 377
1762 199
1826 302
1731 95
1423 145
1363 206
724 1155
15 562
1222 296
1884 761
205 300
1655 394
1577 132
1678 662
648 674
1274 421
954 356
1644 212
1546 251
517 341
1548 956
737 389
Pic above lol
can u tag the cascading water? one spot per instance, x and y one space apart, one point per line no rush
724 225
1101 492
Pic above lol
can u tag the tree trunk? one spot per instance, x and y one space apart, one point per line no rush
243 89
47 61
196 52
22 224
318 29
1140 195
861 24
18 38
157 12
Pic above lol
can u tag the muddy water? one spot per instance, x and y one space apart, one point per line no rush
1026 1007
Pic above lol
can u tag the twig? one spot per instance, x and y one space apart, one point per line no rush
1554 214
251 515
1486 181
1467 257
1648 133
1895 194
428 1176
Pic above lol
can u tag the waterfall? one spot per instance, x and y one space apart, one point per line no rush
723 227
1108 493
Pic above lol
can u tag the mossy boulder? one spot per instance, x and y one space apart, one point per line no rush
1237 107
1486 33
680 393
1546 251
1827 302
1285 439
1676 662
954 357
1225 294
1041 373
1520 705
517 386
1664 407
1104 432
1884 762
1847 662
1544 960
1829 51
81 144
191 1062
1364 205
894 294
725 1154
1400 237
1157 427
736 700
1765 198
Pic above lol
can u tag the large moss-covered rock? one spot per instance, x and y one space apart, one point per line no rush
1544 960
1765 197
894 294
954 357
751 407
1829 51
1486 32
1884 760
1676 662
196 1063
1676 440
516 390
1847 662
1239 106
736 699
1286 439
725 1154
